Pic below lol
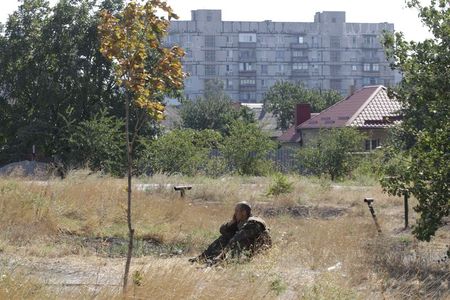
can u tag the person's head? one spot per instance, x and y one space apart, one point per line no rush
242 211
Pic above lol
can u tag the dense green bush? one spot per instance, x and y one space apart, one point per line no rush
184 151
280 185
99 144
330 153
246 149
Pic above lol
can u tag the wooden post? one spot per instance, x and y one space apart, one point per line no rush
405 197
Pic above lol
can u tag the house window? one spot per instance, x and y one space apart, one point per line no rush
366 67
208 18
375 67
372 144
280 68
248 54
301 39
263 82
280 39
210 41
210 70
248 82
247 37
246 66
373 80
230 53
210 55
264 69
354 68
229 69
335 70
229 83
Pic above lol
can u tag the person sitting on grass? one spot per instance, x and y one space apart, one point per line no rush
243 235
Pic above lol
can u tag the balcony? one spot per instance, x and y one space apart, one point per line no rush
247 44
247 88
299 46
247 73
299 58
300 73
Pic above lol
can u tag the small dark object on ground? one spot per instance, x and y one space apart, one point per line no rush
182 189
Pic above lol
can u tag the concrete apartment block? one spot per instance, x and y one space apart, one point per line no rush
249 57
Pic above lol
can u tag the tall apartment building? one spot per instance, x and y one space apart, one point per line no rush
249 57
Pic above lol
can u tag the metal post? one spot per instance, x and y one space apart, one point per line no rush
405 197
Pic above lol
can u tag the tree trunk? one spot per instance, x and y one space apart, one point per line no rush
129 173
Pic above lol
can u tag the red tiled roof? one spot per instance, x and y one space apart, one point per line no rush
361 109
292 135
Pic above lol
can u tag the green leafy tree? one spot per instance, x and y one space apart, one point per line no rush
53 75
215 110
282 97
330 153
181 151
98 143
132 40
424 92
246 148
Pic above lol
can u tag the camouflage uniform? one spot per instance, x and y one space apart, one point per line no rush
249 236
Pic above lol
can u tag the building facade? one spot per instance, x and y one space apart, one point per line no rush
249 57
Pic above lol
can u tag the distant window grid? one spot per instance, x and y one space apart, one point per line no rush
335 42
210 41
210 55
354 68
335 56
247 81
369 40
247 54
300 66
264 69
375 67
366 67
247 37
299 53
279 54
335 70
301 39
210 70
246 66
280 39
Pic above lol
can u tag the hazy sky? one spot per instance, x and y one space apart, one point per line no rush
392 11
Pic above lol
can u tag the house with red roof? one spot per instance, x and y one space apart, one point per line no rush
368 109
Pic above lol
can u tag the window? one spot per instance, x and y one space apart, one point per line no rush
230 53
375 67
366 67
247 54
246 66
280 39
264 69
210 55
229 83
248 82
369 40
371 144
333 20
354 40
279 54
247 37
300 66
188 69
335 84
210 70
208 18
335 70
229 69
263 82
354 68
335 56
210 41
299 53
301 39
373 80
280 68
315 42
335 42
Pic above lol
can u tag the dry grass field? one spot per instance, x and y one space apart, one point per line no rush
66 240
